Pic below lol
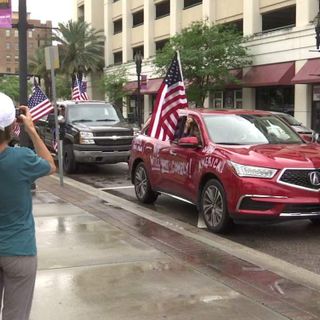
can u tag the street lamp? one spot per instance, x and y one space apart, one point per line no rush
317 28
138 61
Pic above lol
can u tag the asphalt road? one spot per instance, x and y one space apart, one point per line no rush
296 242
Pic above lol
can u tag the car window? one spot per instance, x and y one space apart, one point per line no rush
249 129
289 119
93 112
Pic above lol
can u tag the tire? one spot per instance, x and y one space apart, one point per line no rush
69 164
213 207
142 187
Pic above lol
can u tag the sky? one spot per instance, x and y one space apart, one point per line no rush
54 10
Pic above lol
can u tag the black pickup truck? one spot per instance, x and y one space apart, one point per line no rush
94 132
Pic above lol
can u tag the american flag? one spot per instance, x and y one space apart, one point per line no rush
39 104
170 97
16 129
79 90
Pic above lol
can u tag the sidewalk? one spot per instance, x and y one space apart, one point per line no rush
100 260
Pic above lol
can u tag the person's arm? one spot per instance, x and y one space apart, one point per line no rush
38 144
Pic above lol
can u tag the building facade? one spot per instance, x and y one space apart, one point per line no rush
9 44
285 75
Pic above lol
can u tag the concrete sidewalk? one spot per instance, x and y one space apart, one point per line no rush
100 261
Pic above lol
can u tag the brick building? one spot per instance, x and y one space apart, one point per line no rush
9 44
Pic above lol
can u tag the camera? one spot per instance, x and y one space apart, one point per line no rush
19 112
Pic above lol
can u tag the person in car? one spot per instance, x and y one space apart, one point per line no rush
191 129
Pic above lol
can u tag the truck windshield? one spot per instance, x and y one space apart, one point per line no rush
92 112
249 129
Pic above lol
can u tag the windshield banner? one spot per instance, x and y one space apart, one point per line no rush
5 14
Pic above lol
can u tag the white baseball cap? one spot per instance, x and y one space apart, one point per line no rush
7 111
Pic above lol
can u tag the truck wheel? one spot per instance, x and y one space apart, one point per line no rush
142 186
213 207
69 164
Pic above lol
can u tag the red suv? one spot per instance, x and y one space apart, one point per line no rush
238 164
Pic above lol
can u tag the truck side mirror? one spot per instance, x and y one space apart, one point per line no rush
50 119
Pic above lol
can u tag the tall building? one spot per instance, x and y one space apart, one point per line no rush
285 75
9 44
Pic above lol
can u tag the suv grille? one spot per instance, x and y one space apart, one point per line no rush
112 133
121 138
299 178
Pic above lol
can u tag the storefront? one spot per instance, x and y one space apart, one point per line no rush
309 74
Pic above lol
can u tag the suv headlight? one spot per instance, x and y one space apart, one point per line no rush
253 172
86 137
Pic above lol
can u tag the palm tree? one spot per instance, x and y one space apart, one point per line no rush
80 48
37 66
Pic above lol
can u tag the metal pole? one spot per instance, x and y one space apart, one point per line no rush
54 94
139 101
23 66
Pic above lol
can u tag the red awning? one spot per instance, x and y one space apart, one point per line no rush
153 86
269 75
309 73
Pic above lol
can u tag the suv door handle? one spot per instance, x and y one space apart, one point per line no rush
172 153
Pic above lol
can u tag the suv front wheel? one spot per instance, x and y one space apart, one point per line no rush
69 164
213 207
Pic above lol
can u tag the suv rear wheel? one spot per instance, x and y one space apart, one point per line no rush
69 164
213 207
142 186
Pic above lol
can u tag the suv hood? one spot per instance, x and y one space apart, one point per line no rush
102 125
276 156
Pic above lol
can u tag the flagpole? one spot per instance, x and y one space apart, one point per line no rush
179 61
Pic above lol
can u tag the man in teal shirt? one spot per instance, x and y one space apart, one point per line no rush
19 168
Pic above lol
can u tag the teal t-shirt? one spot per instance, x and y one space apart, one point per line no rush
19 168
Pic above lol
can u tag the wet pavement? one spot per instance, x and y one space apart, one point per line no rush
103 258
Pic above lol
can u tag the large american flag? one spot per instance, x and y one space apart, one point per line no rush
39 104
170 97
79 90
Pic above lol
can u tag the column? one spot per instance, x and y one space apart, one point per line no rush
175 16
126 32
302 99
249 98
149 17
252 20
147 107
209 10
108 33
306 11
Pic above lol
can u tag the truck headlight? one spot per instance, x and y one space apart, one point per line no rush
86 137
253 172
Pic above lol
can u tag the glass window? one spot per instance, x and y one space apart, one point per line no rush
8 70
8 33
249 129
8 58
92 113
135 50
190 3
279 99
16 58
137 18
117 57
8 46
117 26
30 33
285 17
160 44
16 33
162 9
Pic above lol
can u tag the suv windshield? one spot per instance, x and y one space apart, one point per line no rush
92 112
248 129
289 119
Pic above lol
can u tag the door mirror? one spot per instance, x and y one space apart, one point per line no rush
50 119
188 142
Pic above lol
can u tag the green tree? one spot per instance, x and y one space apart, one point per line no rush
113 85
81 48
37 66
208 53
10 86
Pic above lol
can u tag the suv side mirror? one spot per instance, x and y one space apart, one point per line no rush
188 142
51 121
